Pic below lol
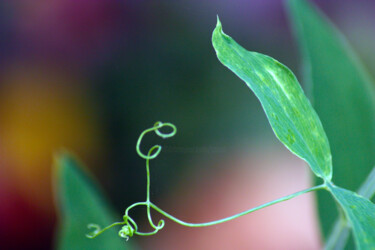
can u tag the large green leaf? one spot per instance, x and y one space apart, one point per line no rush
289 112
361 214
79 204
342 95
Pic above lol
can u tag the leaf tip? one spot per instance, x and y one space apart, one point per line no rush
218 24
217 33
60 156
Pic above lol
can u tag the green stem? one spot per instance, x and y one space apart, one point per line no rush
99 231
161 223
339 235
323 186
130 227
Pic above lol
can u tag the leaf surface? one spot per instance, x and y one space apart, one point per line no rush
339 235
361 214
343 96
79 204
289 112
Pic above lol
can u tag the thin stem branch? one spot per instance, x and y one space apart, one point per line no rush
285 198
339 235
130 227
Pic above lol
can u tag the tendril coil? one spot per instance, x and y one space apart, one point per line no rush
129 226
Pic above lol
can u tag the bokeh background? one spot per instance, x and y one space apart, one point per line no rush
90 75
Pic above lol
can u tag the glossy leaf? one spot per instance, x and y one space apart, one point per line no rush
79 204
342 94
361 214
289 112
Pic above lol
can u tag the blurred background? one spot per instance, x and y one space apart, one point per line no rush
90 75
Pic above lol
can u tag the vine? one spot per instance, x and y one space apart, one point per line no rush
130 227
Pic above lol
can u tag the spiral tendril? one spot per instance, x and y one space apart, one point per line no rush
156 128
130 227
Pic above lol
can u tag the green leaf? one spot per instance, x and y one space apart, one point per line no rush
79 204
361 214
342 94
340 233
289 112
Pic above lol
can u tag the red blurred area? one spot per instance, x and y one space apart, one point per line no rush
22 225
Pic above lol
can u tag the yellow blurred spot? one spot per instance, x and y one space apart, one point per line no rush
42 110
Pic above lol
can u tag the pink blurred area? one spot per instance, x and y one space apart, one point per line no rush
234 185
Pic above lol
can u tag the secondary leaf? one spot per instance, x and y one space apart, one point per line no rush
79 204
340 233
342 94
289 112
361 214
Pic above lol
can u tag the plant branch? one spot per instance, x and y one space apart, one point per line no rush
285 198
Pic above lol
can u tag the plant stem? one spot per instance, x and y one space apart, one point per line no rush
368 187
339 235
285 198
154 152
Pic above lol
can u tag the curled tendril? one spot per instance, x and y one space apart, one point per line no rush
94 233
97 229
156 128
129 227
127 231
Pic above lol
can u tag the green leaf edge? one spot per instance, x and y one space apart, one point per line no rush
360 243
318 171
364 239
82 172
